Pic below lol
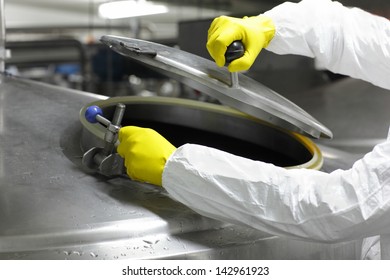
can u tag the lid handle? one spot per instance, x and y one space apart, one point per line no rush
234 50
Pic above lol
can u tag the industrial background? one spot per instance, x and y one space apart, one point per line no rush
58 42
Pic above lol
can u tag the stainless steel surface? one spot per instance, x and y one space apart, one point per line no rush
2 37
51 208
250 97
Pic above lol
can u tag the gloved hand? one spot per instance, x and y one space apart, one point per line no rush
255 33
145 152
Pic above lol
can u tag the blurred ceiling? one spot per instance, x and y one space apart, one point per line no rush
80 17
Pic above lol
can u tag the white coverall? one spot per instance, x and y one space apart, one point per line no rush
301 203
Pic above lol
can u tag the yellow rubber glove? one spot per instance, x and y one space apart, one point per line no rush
255 33
145 152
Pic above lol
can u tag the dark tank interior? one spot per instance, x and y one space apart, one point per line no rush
238 135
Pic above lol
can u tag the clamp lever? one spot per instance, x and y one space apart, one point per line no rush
234 50
105 159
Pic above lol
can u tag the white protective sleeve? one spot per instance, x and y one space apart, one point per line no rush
344 40
309 204
301 203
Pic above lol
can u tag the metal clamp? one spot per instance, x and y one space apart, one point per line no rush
104 159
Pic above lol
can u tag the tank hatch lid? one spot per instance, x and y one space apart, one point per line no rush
250 96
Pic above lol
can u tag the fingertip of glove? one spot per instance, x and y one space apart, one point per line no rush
220 62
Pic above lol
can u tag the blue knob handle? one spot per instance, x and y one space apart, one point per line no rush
92 112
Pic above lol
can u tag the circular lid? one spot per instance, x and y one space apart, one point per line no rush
248 96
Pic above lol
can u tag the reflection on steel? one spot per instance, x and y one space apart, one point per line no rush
250 97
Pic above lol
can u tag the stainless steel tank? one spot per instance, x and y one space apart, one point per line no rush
187 121
52 207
